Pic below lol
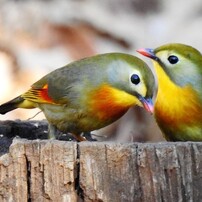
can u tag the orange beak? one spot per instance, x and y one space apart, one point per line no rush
148 52
147 104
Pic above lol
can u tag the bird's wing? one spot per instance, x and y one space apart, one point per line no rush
47 92
39 95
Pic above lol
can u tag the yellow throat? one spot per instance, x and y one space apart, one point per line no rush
175 105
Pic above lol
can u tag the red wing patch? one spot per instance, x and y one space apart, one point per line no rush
38 95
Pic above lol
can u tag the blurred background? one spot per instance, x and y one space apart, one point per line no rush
38 36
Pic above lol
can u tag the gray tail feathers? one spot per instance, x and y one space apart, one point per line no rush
10 105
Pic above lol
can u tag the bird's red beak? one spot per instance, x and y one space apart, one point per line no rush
148 52
147 104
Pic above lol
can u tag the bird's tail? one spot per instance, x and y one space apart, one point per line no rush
18 102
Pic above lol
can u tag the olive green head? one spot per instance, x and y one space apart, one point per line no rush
182 63
131 74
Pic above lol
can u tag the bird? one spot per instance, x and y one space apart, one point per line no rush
178 103
90 93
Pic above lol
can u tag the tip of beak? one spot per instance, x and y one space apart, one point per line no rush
148 104
148 52
149 107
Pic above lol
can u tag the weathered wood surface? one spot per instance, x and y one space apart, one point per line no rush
30 130
141 172
44 170
39 170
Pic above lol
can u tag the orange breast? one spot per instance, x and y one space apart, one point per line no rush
110 103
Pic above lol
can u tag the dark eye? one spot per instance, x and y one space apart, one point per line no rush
173 59
135 79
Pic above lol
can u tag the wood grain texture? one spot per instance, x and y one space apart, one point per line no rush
39 171
52 170
141 172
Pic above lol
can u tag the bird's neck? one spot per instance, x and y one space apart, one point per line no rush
175 106
110 103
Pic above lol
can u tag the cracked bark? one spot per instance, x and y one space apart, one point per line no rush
44 170
141 172
38 171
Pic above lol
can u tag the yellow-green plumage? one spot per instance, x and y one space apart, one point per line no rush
178 106
90 93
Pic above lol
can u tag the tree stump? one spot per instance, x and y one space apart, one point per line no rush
52 170
141 171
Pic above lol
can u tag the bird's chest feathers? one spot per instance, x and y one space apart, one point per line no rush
109 103
176 105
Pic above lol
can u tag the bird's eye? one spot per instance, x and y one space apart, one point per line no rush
173 59
135 79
